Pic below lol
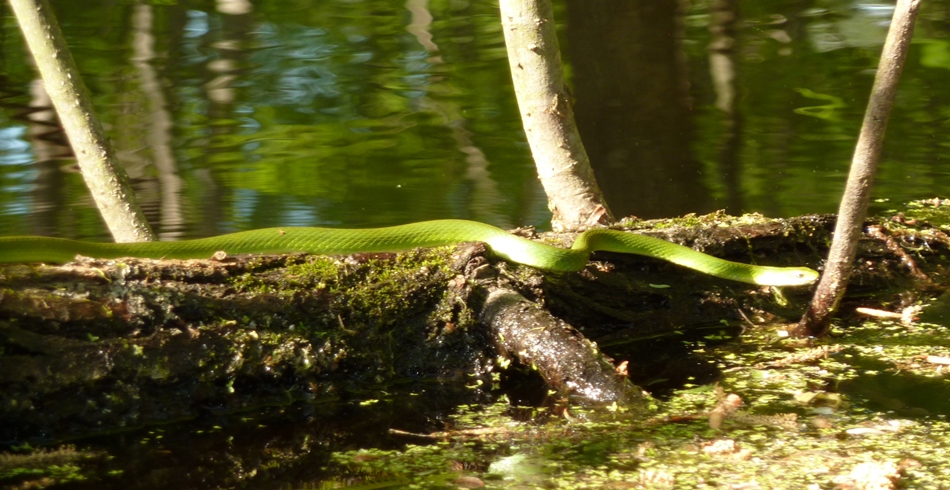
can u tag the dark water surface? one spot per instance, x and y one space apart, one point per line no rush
231 115
235 115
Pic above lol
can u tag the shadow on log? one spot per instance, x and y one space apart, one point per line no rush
99 345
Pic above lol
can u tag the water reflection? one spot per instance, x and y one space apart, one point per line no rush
633 104
157 131
239 115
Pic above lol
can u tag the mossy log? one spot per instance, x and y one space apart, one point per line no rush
100 345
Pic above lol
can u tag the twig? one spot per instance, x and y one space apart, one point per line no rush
857 195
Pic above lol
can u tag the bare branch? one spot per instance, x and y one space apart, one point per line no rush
857 194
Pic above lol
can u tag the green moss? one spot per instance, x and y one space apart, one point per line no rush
47 467
374 287
801 424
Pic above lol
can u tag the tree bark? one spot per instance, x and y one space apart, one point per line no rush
857 194
565 359
107 182
547 114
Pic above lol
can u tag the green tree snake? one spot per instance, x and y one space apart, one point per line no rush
333 241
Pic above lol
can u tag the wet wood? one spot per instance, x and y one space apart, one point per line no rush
567 361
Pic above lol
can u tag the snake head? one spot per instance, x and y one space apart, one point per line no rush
785 276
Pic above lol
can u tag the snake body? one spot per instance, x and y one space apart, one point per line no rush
334 241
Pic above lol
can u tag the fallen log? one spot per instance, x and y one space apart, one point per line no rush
100 345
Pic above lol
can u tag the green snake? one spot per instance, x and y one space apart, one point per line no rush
334 241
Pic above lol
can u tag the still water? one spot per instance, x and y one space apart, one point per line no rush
232 115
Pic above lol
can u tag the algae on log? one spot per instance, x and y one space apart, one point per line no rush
109 344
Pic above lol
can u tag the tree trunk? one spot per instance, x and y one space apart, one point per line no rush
548 116
857 194
106 180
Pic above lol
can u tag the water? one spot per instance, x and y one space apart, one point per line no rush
373 113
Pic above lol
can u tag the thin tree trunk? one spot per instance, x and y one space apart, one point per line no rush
548 118
857 195
107 182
